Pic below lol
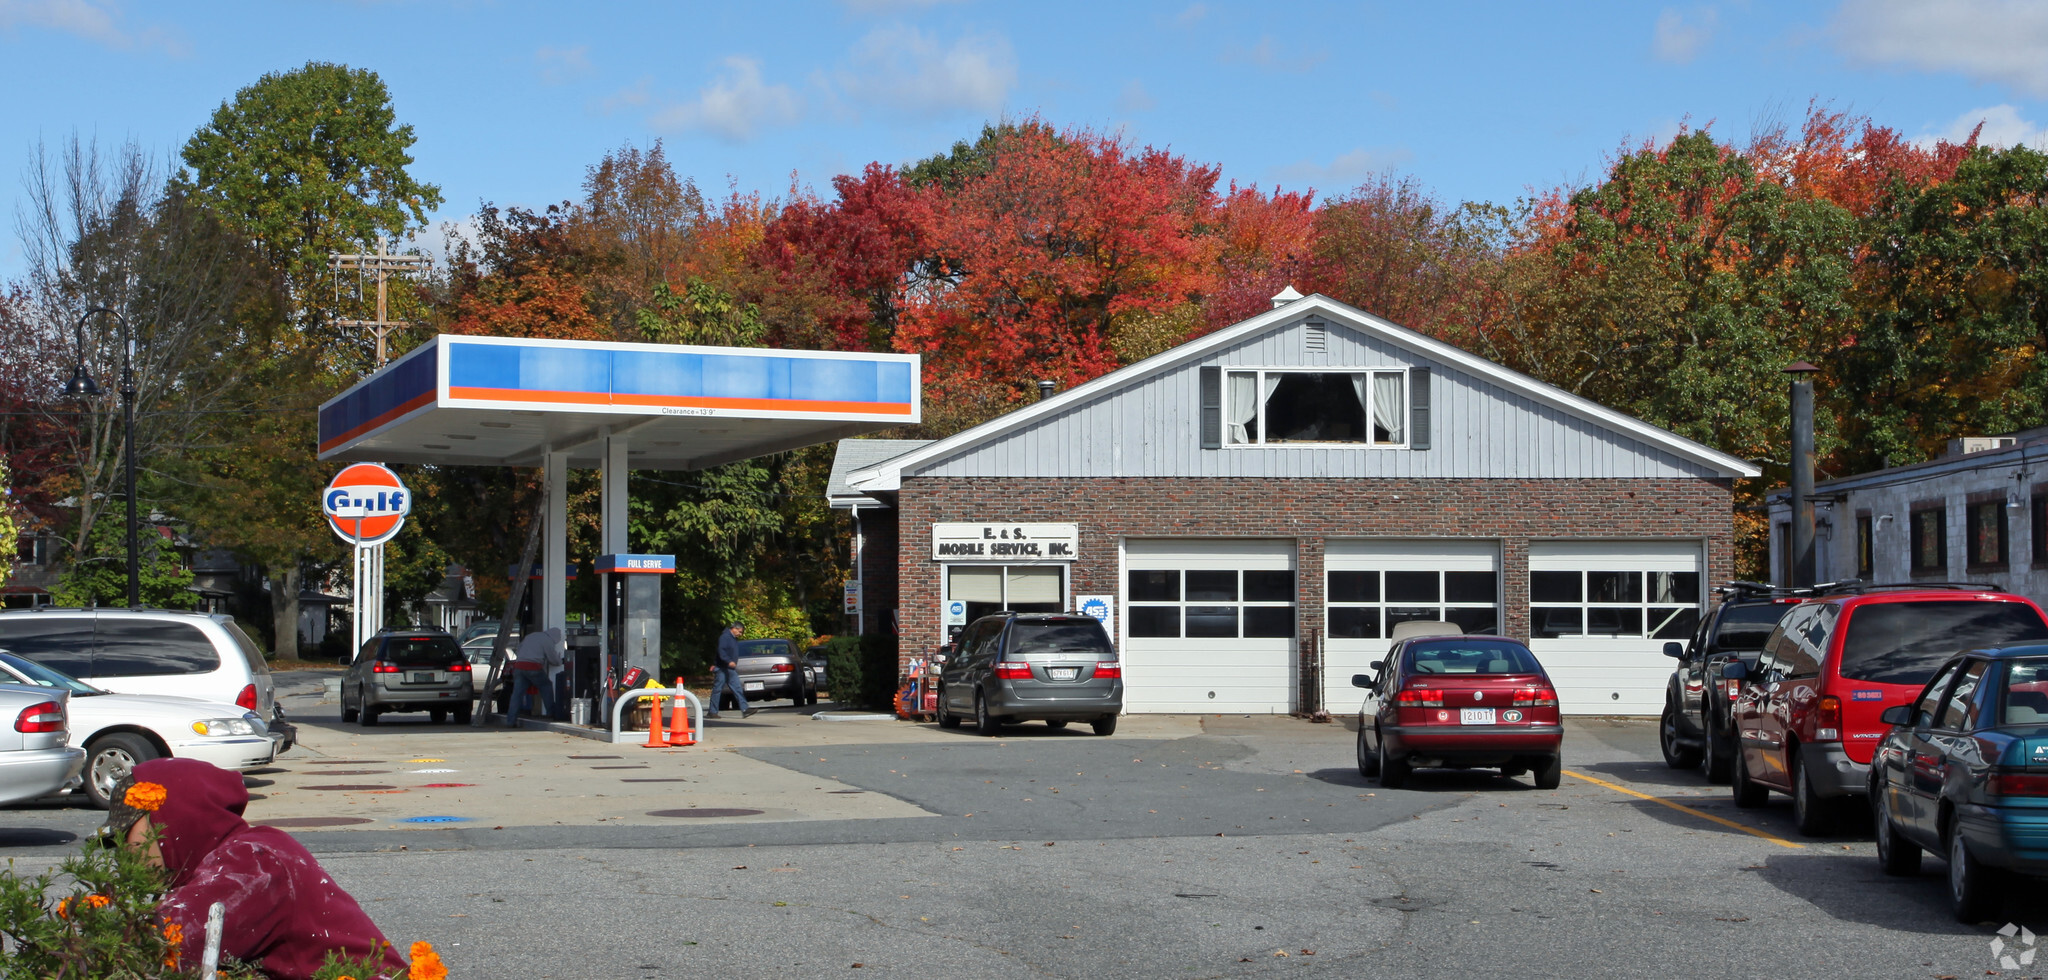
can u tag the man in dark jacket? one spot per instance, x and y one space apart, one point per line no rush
283 913
726 673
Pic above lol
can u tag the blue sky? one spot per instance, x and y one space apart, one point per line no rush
1479 101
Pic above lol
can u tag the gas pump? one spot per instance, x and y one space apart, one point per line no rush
631 626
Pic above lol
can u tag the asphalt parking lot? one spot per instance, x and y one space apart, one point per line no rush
1182 846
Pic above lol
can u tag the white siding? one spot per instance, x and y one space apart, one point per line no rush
1152 429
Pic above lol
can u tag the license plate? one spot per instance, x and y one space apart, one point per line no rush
1063 673
1475 716
423 678
753 685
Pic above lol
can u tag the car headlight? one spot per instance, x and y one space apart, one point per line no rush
248 724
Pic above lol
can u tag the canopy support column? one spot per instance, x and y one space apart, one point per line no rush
613 495
555 544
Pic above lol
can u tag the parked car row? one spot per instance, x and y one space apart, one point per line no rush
1916 702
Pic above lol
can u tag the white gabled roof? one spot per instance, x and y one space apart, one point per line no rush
886 475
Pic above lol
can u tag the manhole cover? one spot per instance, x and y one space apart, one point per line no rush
446 785
435 820
618 767
704 812
846 792
348 787
629 779
313 822
353 772
597 757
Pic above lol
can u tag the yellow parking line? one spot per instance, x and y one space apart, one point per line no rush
1723 821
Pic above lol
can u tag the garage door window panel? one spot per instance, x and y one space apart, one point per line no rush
1659 605
1369 604
1355 622
1212 603
1208 585
1212 621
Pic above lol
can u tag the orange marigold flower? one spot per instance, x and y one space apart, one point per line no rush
64 908
97 901
174 934
146 796
426 964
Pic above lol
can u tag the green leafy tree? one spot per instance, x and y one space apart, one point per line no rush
704 315
99 577
10 527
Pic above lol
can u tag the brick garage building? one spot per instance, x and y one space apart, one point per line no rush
1254 510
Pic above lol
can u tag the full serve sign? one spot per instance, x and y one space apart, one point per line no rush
366 504
1005 542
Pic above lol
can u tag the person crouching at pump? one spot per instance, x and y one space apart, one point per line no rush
529 666
282 912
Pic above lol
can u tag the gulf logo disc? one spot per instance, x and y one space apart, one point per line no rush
365 504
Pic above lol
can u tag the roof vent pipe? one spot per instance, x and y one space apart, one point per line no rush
1285 296
1044 388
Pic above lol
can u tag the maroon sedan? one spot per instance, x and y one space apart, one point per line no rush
1461 702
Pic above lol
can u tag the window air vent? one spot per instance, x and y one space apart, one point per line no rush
1315 337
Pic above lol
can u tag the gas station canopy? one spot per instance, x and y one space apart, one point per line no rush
501 401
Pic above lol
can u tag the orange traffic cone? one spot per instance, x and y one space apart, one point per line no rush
680 731
654 737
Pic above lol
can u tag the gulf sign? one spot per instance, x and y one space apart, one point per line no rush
366 504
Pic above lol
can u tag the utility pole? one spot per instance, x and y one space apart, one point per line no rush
381 265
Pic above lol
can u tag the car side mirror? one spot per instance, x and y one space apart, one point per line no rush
1735 670
1378 665
1898 714
1362 680
1675 650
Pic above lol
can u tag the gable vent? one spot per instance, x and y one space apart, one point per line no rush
1315 336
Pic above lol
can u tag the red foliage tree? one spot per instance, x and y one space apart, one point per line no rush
522 277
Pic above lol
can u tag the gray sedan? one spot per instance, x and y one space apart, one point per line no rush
34 759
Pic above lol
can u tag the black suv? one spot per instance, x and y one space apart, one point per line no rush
1696 729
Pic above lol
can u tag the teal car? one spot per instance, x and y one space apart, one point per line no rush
1964 773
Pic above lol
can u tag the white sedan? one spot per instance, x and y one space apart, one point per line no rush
118 731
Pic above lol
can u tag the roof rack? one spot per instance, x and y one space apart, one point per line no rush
1758 590
1856 587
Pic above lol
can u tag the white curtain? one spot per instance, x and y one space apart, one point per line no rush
1244 406
975 583
1386 404
1364 404
1033 585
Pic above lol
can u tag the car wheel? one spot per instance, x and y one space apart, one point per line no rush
109 759
1368 762
984 722
370 715
463 715
438 716
1813 815
1748 795
1393 772
348 714
1895 856
947 719
1972 887
1104 726
1551 773
1055 724
1715 762
1677 754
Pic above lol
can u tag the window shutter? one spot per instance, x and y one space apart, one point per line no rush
1212 408
1418 408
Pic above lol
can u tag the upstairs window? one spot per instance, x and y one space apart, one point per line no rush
1268 408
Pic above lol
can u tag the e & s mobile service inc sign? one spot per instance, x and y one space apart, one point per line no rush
1005 542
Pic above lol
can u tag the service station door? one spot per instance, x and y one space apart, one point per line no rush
1374 583
1209 625
1600 613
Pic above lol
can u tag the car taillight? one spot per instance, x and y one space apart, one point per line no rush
1827 719
247 699
782 668
461 668
1011 670
383 668
1112 670
1418 697
1535 697
2007 783
45 717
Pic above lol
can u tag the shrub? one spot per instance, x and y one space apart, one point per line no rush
862 670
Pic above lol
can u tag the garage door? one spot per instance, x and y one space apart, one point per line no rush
1209 625
1374 584
1600 612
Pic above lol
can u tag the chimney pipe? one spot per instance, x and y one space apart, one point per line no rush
1800 561
1044 388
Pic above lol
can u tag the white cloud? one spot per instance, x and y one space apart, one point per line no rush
1679 42
2003 41
1134 98
2003 127
1346 169
638 94
733 107
905 70
93 20
1269 55
558 65
1191 16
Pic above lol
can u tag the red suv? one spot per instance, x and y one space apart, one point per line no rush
1806 718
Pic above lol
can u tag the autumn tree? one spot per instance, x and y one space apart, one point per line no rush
524 275
843 265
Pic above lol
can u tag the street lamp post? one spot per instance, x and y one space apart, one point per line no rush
81 386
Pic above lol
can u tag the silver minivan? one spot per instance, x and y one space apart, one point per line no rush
1050 667
146 651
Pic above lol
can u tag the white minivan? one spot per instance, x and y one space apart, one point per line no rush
146 651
